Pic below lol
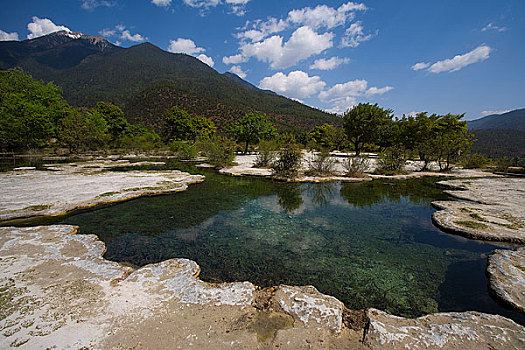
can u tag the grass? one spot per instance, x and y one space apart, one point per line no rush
477 217
107 194
38 207
472 224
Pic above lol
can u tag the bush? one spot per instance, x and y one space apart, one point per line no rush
321 164
473 161
267 154
183 150
356 166
288 162
391 162
220 152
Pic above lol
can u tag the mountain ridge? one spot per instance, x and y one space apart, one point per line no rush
512 120
90 69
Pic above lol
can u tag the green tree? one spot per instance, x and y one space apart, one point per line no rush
439 138
251 128
117 124
81 130
181 126
326 136
363 124
452 139
29 110
418 134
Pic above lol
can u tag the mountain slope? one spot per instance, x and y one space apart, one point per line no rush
146 80
499 143
513 120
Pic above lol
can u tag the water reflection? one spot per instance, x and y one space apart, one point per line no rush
290 197
322 193
368 244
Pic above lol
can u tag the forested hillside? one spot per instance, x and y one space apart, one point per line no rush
513 120
145 81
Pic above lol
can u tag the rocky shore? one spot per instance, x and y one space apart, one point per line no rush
57 290
66 187
488 208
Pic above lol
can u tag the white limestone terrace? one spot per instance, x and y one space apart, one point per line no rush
506 271
244 166
57 290
66 187
489 208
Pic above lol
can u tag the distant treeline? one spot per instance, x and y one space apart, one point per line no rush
34 115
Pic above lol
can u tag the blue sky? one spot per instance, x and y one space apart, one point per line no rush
409 55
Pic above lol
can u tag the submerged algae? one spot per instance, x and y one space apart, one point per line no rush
369 244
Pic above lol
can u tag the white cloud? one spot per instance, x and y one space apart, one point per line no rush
4 36
126 35
262 29
92 4
328 64
342 105
324 16
206 59
378 91
297 84
106 32
235 59
186 46
121 33
260 39
351 88
458 62
238 6
303 43
238 70
164 3
43 26
420 65
496 28
344 96
486 113
354 35
202 3
318 17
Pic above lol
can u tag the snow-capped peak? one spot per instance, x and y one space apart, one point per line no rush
73 35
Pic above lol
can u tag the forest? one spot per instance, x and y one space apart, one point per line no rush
35 116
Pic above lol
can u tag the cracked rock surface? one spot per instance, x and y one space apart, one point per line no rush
82 185
506 271
489 209
454 330
57 291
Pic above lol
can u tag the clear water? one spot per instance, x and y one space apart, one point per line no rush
369 244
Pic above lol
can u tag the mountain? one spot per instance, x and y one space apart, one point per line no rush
500 135
513 120
58 50
495 143
145 81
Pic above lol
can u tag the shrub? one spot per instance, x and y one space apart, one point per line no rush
288 162
356 166
220 152
321 164
390 162
472 161
183 150
267 154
